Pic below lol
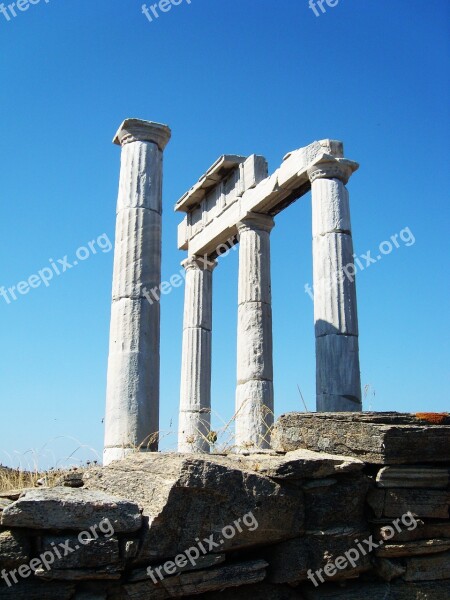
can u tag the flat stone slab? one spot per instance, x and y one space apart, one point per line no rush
15 494
437 590
199 582
423 531
430 504
4 502
258 591
300 464
380 438
14 549
73 509
418 548
185 497
202 563
93 553
413 477
110 573
428 568
31 590
291 561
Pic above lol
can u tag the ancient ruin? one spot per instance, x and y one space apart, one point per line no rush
235 201
343 505
346 506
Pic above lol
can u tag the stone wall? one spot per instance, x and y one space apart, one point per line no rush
345 506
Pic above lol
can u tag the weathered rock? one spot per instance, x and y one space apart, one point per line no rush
300 464
389 569
90 595
198 582
73 480
381 438
203 562
417 548
32 590
4 502
378 591
101 573
432 504
291 561
428 568
92 553
423 531
15 494
14 549
332 503
413 477
258 591
193 496
65 508
129 548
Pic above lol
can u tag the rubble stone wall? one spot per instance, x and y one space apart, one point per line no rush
345 506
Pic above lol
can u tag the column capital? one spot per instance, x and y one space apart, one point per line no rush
199 262
136 130
329 167
256 221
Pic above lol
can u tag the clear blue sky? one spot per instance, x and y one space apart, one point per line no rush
234 76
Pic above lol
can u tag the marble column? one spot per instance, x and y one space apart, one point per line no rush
254 393
132 405
195 393
338 383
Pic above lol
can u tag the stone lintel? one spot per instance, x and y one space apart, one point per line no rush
216 173
271 195
137 130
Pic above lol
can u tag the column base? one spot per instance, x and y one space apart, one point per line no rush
338 378
193 431
327 403
112 454
254 415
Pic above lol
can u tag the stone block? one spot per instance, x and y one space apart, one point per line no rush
413 477
371 590
37 590
15 548
72 509
185 497
332 503
300 464
380 438
92 553
258 591
431 504
291 561
198 582
428 568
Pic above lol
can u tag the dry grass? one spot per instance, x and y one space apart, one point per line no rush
17 479
28 470
222 440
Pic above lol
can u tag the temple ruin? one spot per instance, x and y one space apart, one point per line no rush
235 201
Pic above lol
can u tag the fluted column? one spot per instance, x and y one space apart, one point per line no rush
338 383
132 405
195 393
254 393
